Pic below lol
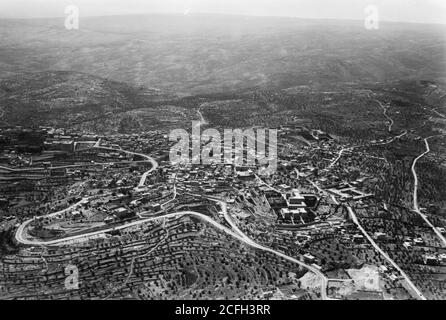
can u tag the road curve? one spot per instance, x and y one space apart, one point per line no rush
415 191
341 152
247 240
19 233
149 159
244 239
241 237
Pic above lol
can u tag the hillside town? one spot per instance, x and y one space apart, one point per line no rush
133 225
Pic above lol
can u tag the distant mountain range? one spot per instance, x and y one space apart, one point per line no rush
133 73
210 53
64 98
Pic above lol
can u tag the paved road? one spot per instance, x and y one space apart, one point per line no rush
98 143
377 248
417 292
318 188
20 231
55 168
149 159
175 194
268 185
341 152
324 280
203 121
415 191
244 239
247 240
224 210
238 234
438 113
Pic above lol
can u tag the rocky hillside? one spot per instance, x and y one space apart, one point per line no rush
72 99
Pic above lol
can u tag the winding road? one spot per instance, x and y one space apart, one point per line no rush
355 220
324 279
341 152
416 206
203 121
241 237
20 230
385 109
236 233
344 149
244 238
148 159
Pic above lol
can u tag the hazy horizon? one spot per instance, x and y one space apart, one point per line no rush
204 14
410 11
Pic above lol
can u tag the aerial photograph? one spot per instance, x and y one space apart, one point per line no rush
223 150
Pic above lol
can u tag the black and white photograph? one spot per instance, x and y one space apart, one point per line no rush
268 152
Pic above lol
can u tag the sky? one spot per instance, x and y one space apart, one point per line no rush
421 11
